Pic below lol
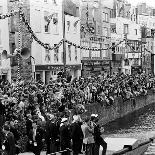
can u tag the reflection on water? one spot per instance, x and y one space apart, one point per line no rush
140 125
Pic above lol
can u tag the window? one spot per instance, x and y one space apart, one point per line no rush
45 1
47 21
68 26
55 23
105 31
37 21
113 28
0 37
126 29
135 31
75 53
0 59
56 53
54 1
69 52
1 10
105 17
47 56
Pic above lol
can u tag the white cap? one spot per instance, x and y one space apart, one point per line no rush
94 115
64 120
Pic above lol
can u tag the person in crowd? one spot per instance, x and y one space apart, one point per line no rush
36 138
76 135
88 137
65 136
28 123
53 133
98 131
8 144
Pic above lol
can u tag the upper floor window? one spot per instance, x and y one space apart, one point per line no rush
136 32
37 21
76 53
105 17
47 56
0 37
68 26
55 23
56 53
113 28
47 21
105 31
54 2
1 10
126 28
69 52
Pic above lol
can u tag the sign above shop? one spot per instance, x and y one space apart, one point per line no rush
99 39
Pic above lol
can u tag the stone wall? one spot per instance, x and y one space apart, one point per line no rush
120 108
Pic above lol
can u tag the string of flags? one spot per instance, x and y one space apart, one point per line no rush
47 46
12 13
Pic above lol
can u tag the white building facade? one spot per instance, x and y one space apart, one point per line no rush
46 21
5 69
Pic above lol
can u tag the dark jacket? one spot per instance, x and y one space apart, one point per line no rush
76 131
39 137
64 135
97 134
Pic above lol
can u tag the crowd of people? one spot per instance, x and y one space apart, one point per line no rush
35 113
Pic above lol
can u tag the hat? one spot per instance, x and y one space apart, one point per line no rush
94 115
76 118
64 120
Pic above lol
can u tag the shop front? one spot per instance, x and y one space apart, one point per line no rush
45 72
95 67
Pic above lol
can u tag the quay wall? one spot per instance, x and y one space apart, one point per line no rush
119 108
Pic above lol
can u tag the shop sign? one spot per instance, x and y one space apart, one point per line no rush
99 39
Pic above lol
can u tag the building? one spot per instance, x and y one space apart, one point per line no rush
45 18
95 33
124 29
5 69
72 35
146 19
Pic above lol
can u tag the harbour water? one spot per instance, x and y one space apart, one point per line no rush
139 125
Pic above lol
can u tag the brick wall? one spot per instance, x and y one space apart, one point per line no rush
25 65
